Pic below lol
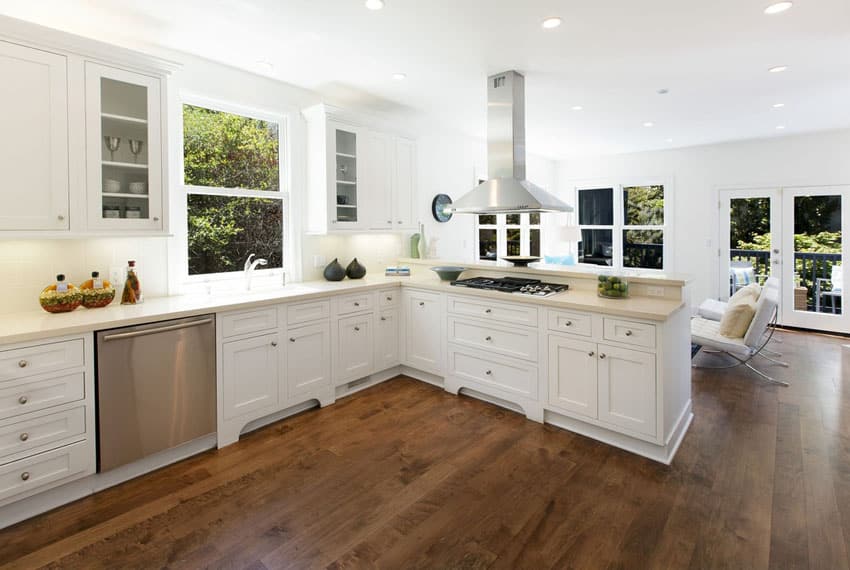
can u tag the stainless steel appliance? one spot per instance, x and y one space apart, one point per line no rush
516 285
156 388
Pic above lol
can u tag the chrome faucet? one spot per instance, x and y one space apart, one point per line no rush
250 265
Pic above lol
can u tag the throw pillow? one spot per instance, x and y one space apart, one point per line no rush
737 317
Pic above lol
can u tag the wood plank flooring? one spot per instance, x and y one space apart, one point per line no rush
404 475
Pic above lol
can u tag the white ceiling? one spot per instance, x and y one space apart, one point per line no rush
609 56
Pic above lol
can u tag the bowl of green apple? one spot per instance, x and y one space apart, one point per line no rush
613 286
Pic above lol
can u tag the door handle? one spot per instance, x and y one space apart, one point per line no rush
178 326
356 329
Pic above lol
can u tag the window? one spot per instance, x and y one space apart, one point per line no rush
235 203
622 228
508 234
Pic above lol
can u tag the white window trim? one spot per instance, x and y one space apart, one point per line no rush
501 226
619 223
284 121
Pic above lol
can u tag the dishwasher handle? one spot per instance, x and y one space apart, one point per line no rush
178 326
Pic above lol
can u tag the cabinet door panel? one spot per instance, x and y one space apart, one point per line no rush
627 389
404 183
386 339
308 363
345 165
573 375
250 370
376 188
355 349
34 139
424 331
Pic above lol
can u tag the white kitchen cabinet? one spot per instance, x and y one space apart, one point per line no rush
627 389
424 330
354 349
386 339
308 362
573 375
34 139
250 369
379 181
125 181
404 183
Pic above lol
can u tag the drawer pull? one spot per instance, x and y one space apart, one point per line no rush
489 373
383 318
389 298
356 304
591 353
23 364
568 324
488 311
356 329
489 338
24 436
421 304
23 400
25 475
274 343
628 333
602 355
292 339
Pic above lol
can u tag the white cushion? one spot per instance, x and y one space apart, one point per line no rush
752 290
707 333
765 310
712 309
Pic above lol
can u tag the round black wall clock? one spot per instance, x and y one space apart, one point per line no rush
439 208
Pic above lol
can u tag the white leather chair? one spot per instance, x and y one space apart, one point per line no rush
713 310
705 333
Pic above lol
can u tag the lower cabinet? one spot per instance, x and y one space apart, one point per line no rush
354 348
607 383
308 362
386 339
250 372
424 338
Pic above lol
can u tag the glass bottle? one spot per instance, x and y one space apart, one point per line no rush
132 294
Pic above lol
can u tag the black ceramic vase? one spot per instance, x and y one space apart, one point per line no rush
355 270
334 271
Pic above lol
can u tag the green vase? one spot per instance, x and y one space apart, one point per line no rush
414 246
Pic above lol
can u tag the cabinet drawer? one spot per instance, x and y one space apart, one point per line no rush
493 310
33 472
571 322
44 430
629 332
510 341
42 358
503 374
306 312
388 298
354 303
235 324
20 397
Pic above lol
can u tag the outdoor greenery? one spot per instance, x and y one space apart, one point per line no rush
643 206
224 150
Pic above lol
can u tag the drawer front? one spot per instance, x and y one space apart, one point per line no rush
38 432
493 310
629 332
306 312
33 472
388 298
571 322
354 303
512 377
20 397
235 324
515 342
31 360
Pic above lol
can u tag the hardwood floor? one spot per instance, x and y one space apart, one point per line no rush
404 475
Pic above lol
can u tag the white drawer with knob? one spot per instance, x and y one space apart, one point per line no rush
518 342
493 310
246 322
389 298
306 312
30 474
41 431
629 332
20 362
32 394
507 375
350 304
571 322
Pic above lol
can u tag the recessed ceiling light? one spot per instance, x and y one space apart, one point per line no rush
399 76
374 4
550 23
649 124
778 69
780 127
664 91
578 108
778 105
778 7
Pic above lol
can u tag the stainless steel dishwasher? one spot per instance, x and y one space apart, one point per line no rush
155 388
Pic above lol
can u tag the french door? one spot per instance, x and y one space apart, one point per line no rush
796 235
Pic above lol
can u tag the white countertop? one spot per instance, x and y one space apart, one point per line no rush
38 324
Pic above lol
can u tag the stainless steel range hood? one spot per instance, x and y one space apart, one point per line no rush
507 191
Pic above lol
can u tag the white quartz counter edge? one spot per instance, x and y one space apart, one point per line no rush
37 324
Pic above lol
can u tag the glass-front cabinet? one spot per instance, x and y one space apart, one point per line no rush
124 149
345 145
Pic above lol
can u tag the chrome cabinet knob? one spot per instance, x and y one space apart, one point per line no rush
356 304
356 329
489 373
24 436
602 355
23 400
568 324
628 333
421 304
488 311
292 339
155 218
591 353
25 475
23 364
383 318
274 343
489 338
389 298
60 217
399 222
389 221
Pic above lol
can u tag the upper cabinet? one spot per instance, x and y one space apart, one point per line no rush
33 139
82 148
359 178
123 149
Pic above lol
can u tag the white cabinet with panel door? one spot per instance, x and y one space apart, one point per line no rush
573 375
386 339
404 183
308 362
424 338
34 189
353 348
249 369
627 389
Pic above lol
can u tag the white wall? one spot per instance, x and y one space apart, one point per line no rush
697 173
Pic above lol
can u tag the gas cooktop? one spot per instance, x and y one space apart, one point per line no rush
516 285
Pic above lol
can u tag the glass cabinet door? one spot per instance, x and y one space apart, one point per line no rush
345 181
124 169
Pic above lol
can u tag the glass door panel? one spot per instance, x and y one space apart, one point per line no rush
346 176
